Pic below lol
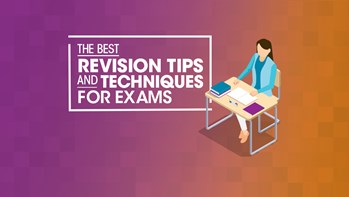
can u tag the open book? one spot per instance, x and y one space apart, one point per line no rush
242 96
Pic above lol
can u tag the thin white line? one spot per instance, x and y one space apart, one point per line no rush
143 36
98 55
139 36
69 78
140 109
210 66
87 87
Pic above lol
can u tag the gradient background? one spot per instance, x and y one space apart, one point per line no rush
46 151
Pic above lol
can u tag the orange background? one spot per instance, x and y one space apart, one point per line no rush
311 157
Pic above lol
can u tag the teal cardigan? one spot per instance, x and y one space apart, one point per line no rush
267 77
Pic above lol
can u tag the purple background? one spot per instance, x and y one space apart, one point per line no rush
46 151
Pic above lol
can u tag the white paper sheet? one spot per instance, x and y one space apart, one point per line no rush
242 96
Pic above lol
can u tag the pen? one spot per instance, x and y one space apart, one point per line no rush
232 102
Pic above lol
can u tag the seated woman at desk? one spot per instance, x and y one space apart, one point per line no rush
263 77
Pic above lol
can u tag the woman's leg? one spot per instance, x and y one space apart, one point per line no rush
244 133
242 123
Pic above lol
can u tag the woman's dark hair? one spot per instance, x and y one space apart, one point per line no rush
266 44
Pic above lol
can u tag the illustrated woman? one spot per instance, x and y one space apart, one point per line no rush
263 77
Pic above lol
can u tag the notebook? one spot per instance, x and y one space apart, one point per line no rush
242 96
253 108
219 95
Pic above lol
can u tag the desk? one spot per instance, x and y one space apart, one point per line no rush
267 102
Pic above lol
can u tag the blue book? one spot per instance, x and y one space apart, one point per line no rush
220 88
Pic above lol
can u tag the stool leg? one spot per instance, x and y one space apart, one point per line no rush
276 122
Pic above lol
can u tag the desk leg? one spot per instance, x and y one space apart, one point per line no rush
251 134
252 152
208 127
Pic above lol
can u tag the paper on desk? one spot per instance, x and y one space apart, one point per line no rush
242 96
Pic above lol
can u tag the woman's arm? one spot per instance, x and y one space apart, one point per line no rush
271 80
247 69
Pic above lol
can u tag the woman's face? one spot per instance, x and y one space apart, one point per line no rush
262 52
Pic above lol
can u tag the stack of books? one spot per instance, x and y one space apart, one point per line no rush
220 89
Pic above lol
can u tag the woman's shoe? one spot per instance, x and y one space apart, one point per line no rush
241 134
244 137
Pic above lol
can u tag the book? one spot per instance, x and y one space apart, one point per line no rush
242 96
219 95
253 108
220 88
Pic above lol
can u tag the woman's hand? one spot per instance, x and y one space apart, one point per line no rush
236 81
254 92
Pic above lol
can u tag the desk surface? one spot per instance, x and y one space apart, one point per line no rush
266 101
